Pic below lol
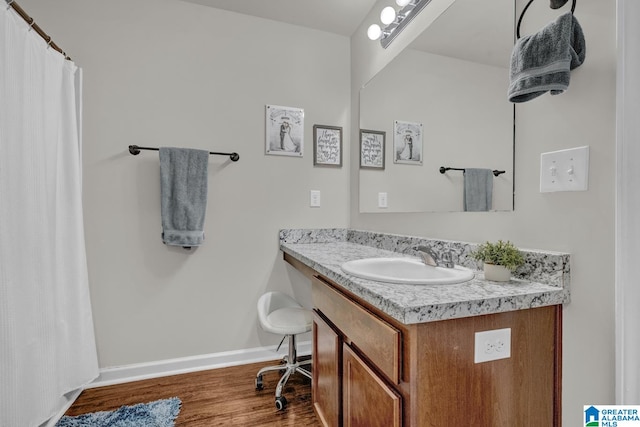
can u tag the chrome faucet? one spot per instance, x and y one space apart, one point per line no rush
430 258
427 255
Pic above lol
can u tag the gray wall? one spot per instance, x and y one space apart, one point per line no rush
581 223
171 73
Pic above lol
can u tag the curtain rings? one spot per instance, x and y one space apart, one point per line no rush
31 24
9 4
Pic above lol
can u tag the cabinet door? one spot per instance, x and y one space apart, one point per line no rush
327 369
372 336
367 400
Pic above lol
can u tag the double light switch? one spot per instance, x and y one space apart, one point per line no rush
565 170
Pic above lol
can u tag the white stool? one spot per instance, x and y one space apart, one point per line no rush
280 314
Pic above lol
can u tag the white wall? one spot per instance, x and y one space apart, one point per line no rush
581 223
171 73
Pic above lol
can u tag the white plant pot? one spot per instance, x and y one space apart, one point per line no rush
496 273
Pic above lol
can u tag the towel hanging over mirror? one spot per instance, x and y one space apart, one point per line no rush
541 62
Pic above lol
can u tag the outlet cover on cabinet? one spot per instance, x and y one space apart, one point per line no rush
492 345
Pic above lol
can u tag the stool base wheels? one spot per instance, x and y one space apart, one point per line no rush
281 403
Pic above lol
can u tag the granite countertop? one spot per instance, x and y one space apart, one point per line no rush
543 281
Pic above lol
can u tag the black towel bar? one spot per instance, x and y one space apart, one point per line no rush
443 170
135 150
573 8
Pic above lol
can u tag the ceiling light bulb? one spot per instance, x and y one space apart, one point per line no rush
402 3
387 15
374 32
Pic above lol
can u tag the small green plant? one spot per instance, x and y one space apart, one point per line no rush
499 253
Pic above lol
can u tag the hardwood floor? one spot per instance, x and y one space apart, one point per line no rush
218 397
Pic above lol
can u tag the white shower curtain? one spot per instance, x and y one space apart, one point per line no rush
47 345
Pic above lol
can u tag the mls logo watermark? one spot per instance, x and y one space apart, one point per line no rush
611 416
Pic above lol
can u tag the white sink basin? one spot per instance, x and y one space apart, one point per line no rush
406 271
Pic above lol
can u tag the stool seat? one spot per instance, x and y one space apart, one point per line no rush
278 313
290 320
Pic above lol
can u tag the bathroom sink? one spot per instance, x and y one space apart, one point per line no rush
406 271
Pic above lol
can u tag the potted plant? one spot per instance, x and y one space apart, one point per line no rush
500 259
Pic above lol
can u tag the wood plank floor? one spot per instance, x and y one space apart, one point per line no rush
218 397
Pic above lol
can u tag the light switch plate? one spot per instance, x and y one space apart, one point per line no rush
565 170
382 200
314 198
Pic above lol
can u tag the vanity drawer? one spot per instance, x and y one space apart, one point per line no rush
376 339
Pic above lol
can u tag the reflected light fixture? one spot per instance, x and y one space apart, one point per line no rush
388 15
374 32
395 22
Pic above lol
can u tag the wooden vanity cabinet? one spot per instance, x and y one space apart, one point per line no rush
371 370
346 389
327 372
367 400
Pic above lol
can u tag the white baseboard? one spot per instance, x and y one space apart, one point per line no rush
163 368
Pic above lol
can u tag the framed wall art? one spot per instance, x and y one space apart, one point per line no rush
327 145
407 142
284 131
372 149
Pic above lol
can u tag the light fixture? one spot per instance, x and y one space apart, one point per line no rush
388 15
374 32
395 23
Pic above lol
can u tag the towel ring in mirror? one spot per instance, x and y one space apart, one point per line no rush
573 8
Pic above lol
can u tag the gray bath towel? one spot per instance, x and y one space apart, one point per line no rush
541 62
478 190
183 195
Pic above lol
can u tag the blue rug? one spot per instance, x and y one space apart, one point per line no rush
161 413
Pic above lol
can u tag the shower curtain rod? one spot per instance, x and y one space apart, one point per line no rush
32 23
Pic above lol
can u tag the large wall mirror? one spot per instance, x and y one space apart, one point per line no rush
450 85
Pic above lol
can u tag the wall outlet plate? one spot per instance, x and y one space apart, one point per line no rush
492 345
314 198
383 200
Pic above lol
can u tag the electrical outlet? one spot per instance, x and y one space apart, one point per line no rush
492 345
314 198
382 200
